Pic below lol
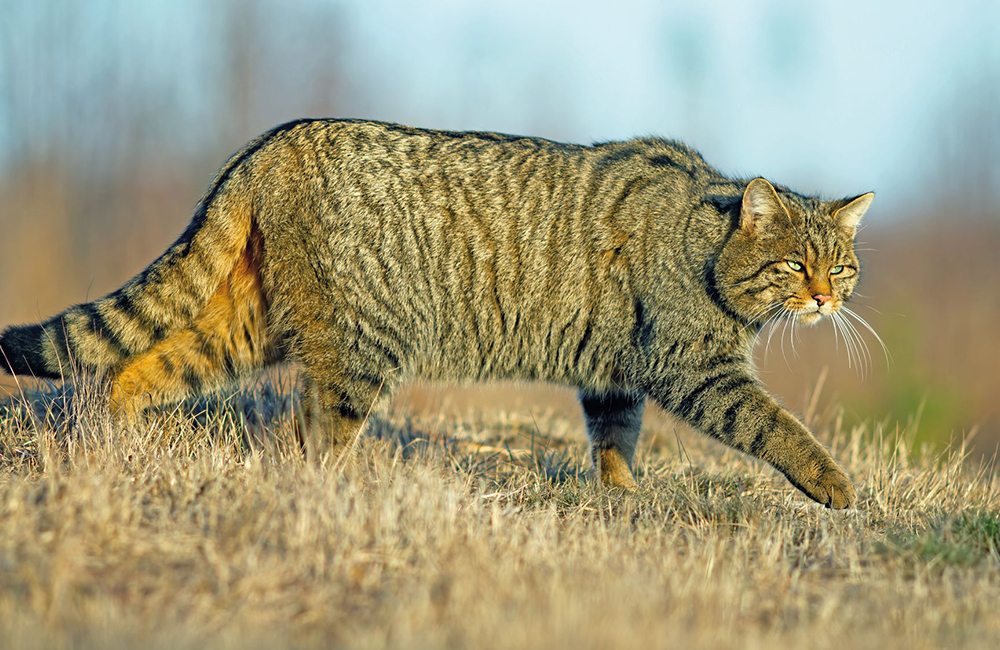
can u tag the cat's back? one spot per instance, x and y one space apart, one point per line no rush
466 239
350 150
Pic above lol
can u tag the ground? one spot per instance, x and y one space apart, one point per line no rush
474 525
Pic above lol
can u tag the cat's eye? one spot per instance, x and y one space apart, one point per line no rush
795 266
837 269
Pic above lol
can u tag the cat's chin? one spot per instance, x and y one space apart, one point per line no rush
810 318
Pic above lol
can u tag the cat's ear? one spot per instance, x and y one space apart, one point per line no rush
761 206
850 214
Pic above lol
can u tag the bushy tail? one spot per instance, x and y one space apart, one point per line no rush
164 298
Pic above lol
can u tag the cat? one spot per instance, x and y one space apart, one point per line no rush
371 252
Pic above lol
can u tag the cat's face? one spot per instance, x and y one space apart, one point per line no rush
790 256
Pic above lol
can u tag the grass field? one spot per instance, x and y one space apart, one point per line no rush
475 525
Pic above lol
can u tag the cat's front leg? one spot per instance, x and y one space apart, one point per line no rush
728 404
614 419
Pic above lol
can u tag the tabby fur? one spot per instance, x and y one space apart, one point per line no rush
371 253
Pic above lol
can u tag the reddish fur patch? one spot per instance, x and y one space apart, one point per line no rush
229 333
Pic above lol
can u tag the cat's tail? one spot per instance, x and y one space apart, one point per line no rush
166 297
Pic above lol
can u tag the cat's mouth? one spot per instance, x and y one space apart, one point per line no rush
809 313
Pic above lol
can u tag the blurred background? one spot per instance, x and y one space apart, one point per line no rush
115 114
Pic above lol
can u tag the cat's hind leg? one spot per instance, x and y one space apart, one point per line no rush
334 407
614 420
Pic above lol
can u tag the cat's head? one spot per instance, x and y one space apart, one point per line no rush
790 253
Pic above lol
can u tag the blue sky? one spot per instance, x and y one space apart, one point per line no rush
836 97
840 97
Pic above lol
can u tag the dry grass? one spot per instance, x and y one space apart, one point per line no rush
203 528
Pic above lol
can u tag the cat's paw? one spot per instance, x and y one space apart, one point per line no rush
615 470
831 487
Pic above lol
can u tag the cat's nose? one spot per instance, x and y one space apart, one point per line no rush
821 298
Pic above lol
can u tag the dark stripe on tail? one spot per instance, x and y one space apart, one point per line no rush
21 348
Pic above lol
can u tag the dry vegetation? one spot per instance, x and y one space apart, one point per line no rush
469 519
204 528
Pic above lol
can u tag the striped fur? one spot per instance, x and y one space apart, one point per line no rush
371 253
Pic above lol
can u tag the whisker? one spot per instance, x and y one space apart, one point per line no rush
788 316
860 304
772 321
795 352
760 314
767 321
836 333
846 330
847 346
885 349
859 356
861 343
853 357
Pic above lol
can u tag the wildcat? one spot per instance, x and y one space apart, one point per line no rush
371 252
